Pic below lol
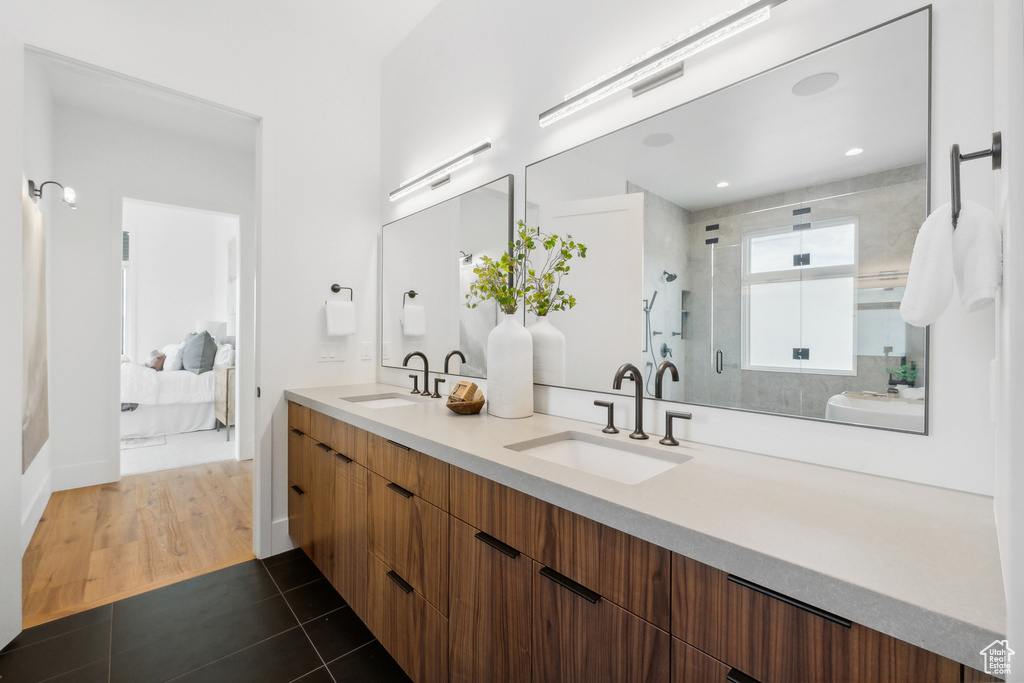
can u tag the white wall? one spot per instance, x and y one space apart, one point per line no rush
1009 479
436 102
178 271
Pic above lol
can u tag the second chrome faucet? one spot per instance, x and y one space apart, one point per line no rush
633 372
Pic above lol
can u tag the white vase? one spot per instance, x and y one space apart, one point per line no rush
510 370
548 353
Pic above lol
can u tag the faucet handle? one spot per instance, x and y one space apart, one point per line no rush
670 440
415 384
436 394
610 427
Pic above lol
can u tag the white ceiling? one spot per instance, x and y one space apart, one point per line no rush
762 139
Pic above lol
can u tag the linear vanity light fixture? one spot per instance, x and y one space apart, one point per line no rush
69 197
437 175
651 69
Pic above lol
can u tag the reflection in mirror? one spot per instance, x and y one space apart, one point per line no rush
776 219
426 268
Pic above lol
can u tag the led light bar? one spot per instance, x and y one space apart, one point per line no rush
440 170
669 54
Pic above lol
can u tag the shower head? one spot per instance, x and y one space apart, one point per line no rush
650 304
669 277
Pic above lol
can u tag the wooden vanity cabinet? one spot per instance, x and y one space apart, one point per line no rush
299 526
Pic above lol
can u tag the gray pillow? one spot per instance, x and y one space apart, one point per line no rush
198 354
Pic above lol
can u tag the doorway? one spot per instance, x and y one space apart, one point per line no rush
114 138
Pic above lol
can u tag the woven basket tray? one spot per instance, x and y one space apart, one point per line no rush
467 407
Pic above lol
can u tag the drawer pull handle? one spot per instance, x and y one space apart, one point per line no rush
344 458
570 585
502 548
295 431
737 676
323 447
400 582
298 490
405 493
791 601
395 443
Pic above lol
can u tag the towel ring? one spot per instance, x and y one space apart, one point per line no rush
337 288
412 293
955 157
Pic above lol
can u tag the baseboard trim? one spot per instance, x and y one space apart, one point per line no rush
280 541
85 474
30 520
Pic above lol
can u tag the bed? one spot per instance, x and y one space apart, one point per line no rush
166 401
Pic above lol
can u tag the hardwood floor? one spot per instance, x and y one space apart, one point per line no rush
99 544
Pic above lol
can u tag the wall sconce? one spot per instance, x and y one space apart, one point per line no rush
69 197
439 174
664 63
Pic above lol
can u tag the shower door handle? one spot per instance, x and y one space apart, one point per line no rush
719 361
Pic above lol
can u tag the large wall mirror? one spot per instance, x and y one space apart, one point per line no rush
758 238
426 268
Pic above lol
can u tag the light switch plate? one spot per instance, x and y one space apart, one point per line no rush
330 353
385 350
366 350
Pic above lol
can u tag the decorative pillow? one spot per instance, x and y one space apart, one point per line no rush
156 360
173 356
225 355
198 354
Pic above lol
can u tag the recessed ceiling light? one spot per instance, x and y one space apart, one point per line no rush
722 184
818 83
854 152
658 139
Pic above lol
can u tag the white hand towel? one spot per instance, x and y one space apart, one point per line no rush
341 318
930 282
977 256
414 321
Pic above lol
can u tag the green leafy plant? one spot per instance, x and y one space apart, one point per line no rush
517 277
904 373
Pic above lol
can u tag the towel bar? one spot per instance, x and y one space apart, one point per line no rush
955 157
337 288
411 294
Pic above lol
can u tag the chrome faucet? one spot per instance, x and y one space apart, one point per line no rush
665 365
447 358
426 371
638 382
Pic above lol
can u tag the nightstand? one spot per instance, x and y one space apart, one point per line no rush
224 397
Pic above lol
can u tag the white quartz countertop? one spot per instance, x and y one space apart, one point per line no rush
917 562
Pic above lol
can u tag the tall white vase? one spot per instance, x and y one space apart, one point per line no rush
510 370
548 353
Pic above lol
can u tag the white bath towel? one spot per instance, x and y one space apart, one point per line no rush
414 321
930 282
977 256
341 318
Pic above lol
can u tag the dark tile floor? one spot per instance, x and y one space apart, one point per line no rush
271 620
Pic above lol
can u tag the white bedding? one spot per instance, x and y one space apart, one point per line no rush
146 386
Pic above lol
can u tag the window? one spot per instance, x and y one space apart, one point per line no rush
799 298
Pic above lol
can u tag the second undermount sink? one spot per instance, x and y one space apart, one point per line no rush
388 400
624 462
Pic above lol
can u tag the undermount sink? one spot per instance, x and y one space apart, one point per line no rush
880 411
389 400
624 462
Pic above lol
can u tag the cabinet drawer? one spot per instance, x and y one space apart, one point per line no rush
690 665
422 475
298 461
579 636
321 428
630 572
490 617
298 417
410 536
406 625
350 533
349 441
